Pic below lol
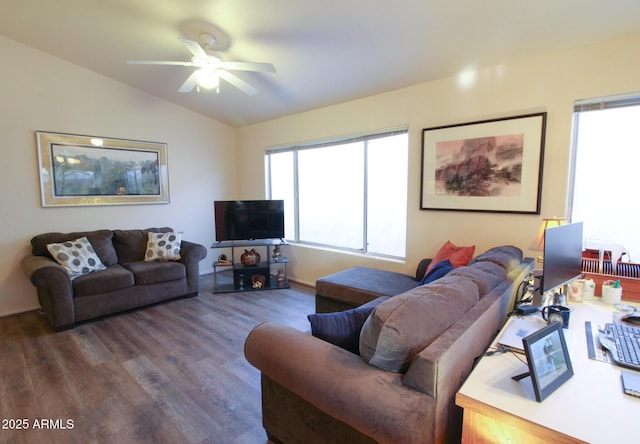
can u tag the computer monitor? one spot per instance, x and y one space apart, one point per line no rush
562 257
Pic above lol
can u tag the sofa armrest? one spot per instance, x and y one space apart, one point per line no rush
190 255
41 270
340 383
55 291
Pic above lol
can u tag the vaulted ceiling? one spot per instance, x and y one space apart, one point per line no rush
325 52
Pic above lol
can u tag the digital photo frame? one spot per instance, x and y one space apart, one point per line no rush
548 360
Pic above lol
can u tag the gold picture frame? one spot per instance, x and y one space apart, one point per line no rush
86 170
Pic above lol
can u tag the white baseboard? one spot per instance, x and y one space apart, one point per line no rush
19 310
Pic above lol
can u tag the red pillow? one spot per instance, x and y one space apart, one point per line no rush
459 256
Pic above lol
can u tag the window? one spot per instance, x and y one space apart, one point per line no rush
349 194
607 156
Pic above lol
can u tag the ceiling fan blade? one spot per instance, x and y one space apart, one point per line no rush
237 82
194 48
190 83
249 66
158 62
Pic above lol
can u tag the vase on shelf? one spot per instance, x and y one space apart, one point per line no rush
280 279
250 258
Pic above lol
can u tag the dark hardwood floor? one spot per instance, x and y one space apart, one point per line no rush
171 373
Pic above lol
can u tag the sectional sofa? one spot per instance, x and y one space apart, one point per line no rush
412 353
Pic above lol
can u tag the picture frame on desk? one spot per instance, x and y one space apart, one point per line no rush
548 360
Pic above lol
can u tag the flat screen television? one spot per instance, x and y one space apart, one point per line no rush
562 256
249 219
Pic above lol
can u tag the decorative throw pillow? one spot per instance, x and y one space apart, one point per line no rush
438 271
163 247
342 328
459 256
77 257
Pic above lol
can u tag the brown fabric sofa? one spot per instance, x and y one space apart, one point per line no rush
316 392
127 282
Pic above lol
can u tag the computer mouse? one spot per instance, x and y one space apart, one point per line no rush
632 318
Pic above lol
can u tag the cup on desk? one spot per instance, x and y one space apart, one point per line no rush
553 313
576 290
611 292
589 290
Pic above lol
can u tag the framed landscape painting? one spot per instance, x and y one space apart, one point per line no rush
85 170
489 165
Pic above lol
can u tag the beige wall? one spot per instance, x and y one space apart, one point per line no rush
40 92
549 83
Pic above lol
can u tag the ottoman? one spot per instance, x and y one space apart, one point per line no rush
358 285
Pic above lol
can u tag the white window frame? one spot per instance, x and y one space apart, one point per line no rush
586 105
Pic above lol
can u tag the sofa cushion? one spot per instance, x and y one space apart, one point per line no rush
342 328
76 256
507 256
358 285
459 256
163 247
486 275
440 270
101 240
131 245
113 278
402 326
146 273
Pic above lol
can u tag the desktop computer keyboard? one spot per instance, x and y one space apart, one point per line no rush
623 343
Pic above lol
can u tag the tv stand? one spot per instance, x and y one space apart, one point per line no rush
269 273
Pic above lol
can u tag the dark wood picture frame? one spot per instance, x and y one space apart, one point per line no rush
488 165
548 360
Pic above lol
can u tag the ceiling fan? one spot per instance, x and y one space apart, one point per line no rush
211 67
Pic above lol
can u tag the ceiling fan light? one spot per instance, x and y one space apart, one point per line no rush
207 78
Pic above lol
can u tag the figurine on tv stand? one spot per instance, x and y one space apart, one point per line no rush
222 260
276 253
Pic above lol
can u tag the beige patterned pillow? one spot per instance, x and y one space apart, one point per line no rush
163 247
77 257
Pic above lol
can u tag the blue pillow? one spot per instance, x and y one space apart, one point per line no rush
342 328
438 271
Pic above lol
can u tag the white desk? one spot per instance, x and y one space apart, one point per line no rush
589 407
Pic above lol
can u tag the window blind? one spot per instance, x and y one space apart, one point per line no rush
607 102
337 141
